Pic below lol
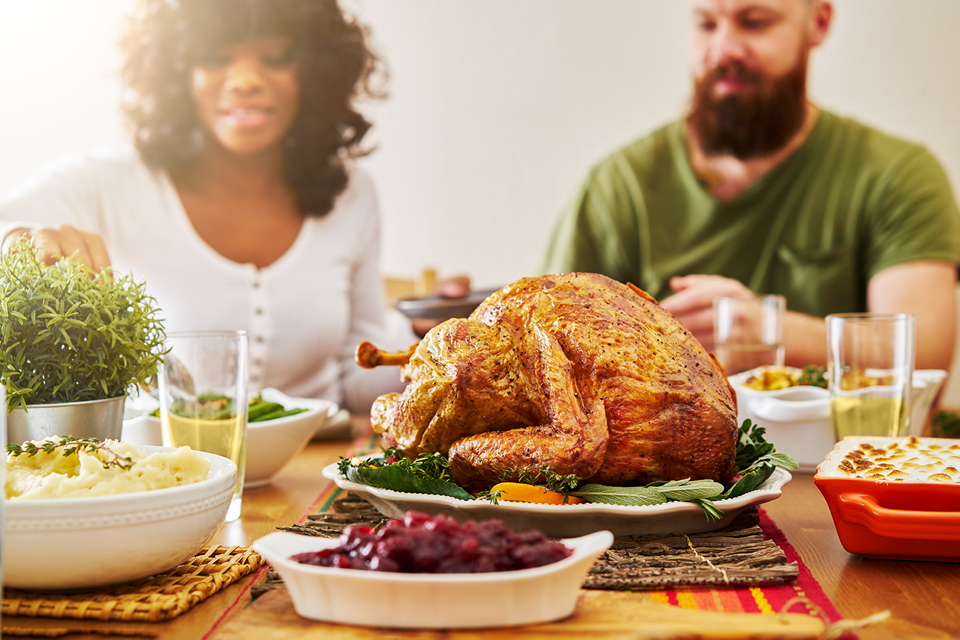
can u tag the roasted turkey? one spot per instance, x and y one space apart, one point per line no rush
574 371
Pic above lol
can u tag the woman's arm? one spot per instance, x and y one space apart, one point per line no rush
55 242
59 207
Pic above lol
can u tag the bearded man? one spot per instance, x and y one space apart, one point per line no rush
757 190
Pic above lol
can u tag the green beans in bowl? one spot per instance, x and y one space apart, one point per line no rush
278 427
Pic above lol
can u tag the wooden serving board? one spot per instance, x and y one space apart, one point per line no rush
600 614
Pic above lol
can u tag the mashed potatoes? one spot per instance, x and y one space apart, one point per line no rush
115 468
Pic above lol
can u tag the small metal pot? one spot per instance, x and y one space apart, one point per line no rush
101 419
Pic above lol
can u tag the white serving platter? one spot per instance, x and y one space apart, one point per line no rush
570 520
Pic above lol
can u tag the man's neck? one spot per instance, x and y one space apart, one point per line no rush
725 177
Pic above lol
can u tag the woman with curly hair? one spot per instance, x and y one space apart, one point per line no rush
237 202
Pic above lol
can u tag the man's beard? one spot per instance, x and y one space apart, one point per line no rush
748 125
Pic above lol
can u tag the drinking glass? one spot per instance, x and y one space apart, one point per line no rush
748 332
203 397
870 365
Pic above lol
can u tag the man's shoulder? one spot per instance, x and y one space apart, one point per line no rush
874 145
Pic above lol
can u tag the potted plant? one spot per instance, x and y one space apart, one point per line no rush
71 342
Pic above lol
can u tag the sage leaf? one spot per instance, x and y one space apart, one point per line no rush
693 490
623 496
783 460
654 493
749 481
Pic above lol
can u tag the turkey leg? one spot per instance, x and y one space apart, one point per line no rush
369 356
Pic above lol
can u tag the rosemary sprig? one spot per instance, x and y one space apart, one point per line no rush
70 446
553 481
429 466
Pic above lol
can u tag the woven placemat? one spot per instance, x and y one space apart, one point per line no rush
738 554
158 597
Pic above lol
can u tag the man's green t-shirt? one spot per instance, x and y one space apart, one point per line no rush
850 202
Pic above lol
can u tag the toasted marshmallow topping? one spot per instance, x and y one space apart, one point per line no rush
907 459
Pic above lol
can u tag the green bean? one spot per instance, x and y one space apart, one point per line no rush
262 408
282 413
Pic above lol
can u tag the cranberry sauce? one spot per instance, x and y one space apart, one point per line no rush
421 544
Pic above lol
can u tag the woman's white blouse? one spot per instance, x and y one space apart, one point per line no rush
305 313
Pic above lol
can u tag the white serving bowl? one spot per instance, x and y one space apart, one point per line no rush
79 543
270 444
429 600
273 443
798 420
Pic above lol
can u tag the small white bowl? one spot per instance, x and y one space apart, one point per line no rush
429 600
79 543
270 444
142 431
273 443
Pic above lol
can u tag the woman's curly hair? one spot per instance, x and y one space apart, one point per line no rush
164 39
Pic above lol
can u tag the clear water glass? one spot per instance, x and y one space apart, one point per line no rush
748 332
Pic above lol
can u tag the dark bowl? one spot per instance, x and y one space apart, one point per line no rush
439 308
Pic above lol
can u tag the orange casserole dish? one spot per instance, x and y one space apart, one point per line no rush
895 497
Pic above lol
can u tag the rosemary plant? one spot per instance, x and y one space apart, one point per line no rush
68 334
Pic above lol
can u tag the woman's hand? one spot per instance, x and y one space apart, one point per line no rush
61 241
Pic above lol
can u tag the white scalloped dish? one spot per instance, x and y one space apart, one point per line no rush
430 600
797 418
570 520
79 543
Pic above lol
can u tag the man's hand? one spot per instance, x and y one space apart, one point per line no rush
63 240
692 302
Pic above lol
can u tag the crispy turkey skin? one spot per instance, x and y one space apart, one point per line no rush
574 371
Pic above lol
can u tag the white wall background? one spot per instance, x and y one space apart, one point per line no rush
496 108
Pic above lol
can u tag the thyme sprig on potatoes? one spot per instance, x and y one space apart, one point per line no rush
70 446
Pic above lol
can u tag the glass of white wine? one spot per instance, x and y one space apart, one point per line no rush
870 360
203 397
748 332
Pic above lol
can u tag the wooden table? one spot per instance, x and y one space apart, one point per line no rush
924 597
